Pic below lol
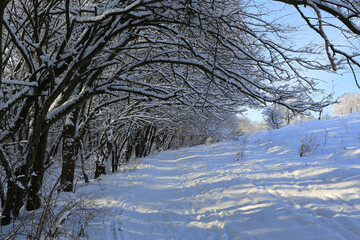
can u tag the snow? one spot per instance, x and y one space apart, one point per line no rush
270 193
19 82
255 187
14 98
109 12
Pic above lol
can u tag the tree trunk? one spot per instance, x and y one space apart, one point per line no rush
37 176
128 151
2 194
85 175
14 197
144 142
114 159
3 4
140 141
69 152
9 203
17 187
151 141
99 168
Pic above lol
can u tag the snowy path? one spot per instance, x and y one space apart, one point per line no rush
202 193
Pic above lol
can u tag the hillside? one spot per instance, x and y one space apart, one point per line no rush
253 188
256 187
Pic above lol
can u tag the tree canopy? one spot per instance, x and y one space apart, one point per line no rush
341 16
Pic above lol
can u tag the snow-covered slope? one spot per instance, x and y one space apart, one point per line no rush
253 188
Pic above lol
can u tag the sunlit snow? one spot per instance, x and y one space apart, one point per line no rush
269 193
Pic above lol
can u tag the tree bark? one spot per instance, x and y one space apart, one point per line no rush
17 186
99 168
3 4
9 204
37 176
69 153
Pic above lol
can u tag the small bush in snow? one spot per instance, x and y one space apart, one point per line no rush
240 153
326 134
308 145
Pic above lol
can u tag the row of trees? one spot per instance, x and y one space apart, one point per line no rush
111 80
276 116
348 103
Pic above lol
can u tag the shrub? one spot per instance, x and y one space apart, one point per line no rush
308 145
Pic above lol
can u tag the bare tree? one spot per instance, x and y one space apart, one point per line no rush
274 117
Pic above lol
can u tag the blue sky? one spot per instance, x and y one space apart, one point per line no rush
339 83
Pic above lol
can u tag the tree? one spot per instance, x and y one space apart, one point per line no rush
344 19
62 57
246 126
349 103
274 117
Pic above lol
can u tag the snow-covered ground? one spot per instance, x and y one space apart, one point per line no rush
253 188
257 187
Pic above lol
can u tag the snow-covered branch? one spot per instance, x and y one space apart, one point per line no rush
344 18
